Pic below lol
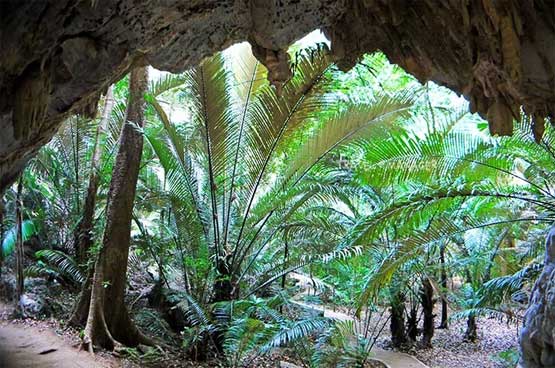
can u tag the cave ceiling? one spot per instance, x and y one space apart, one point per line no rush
57 56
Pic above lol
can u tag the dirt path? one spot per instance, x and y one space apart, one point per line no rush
393 359
23 346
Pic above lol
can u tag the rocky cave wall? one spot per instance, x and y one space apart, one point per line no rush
537 338
58 56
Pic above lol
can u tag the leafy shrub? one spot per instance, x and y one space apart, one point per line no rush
509 358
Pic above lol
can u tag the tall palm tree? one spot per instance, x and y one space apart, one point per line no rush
83 234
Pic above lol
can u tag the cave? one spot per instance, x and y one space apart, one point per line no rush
60 56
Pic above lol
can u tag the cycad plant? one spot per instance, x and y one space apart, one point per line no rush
247 160
442 183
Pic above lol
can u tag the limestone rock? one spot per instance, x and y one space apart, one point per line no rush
537 338
59 55
33 305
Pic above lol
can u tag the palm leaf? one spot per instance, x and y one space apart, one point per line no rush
63 263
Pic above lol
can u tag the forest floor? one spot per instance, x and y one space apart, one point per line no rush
449 350
45 344
495 338
394 359
29 343
23 341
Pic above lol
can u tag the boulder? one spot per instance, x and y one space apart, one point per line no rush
537 337
34 306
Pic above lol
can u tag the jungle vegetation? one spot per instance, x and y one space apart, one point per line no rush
218 191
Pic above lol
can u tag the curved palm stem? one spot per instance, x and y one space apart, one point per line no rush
511 174
180 158
236 267
406 157
426 198
340 142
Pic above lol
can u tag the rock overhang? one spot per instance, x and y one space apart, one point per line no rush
59 55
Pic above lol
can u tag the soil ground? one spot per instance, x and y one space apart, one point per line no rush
449 350
30 344
23 341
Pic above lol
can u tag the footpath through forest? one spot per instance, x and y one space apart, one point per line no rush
28 346
393 359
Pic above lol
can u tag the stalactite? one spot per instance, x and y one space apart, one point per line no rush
32 96
499 54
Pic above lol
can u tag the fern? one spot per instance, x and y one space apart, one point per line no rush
62 263
295 331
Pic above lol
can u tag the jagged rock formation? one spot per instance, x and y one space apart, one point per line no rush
59 55
537 339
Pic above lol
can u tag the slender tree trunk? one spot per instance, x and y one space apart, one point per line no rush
19 254
285 261
471 333
108 321
427 301
444 312
285 258
83 232
397 323
500 240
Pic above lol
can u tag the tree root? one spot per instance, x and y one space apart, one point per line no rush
97 332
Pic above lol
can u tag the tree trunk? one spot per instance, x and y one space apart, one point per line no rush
19 254
223 287
412 323
83 232
471 333
537 337
224 290
397 323
285 261
427 301
108 322
81 308
444 312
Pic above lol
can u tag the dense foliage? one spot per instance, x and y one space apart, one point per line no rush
365 189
